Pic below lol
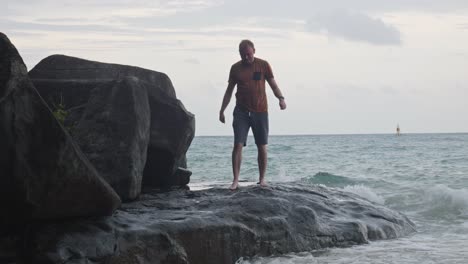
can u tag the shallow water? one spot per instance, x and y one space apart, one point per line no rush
424 176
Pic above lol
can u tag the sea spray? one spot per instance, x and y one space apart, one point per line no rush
283 175
299 258
364 192
441 201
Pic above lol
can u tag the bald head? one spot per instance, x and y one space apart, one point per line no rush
247 51
246 43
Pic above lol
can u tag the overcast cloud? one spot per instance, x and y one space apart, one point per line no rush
358 66
355 27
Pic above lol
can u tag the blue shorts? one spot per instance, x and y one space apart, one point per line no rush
244 120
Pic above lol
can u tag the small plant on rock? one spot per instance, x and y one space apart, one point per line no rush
60 112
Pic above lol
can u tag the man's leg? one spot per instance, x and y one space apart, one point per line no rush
241 126
262 163
236 164
260 131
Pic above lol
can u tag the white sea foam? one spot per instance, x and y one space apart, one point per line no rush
198 186
299 258
283 175
365 192
444 201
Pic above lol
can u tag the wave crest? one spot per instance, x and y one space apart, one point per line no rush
364 192
330 180
443 201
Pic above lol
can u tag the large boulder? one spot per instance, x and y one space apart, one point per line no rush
74 83
114 133
43 174
220 226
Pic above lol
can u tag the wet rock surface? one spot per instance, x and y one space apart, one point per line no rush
220 226
126 119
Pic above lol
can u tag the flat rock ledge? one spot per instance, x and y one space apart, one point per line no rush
219 226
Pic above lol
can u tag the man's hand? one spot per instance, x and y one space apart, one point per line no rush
226 99
282 104
221 117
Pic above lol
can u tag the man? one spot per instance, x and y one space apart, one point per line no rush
251 111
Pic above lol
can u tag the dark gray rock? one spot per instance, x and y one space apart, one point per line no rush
172 131
114 133
220 226
9 249
60 67
43 174
72 81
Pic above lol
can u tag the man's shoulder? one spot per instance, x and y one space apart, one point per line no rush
237 64
261 62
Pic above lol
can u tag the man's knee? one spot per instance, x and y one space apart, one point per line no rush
262 148
237 147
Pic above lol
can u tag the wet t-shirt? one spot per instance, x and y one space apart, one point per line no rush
250 81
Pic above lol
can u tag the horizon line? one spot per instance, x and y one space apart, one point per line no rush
341 134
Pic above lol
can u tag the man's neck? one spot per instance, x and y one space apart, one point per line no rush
248 64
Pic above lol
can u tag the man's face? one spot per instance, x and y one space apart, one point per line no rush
247 54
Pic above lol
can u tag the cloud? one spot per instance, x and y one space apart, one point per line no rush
389 90
51 9
192 61
354 26
15 25
463 26
268 18
303 8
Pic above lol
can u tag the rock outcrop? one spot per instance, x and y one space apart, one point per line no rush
119 115
220 226
43 174
127 120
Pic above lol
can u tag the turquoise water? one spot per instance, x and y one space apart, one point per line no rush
424 176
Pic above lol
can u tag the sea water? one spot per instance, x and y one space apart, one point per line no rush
424 176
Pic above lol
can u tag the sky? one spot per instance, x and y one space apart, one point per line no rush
344 66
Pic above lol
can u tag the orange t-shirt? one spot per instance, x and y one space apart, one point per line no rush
250 81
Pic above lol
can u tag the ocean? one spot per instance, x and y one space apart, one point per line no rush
424 176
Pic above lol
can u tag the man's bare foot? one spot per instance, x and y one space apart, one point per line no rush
234 186
262 183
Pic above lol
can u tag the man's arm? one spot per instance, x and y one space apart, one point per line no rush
226 100
277 92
